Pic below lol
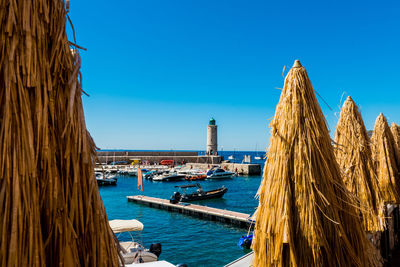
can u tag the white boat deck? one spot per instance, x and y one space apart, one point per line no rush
244 261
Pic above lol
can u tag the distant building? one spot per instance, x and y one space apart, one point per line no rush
212 140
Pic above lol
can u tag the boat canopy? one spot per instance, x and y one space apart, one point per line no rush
119 226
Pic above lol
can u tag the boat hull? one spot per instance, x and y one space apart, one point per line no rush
224 176
195 177
102 182
218 173
218 193
169 178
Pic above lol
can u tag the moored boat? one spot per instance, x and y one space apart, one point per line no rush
169 177
132 172
199 194
104 178
195 177
218 173
132 251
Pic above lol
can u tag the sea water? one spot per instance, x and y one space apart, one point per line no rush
185 239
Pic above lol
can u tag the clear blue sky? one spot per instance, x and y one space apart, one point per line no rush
156 71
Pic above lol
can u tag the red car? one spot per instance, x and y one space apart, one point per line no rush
167 162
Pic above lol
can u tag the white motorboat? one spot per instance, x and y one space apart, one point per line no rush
111 168
123 171
132 172
133 252
218 173
127 170
105 178
187 172
169 177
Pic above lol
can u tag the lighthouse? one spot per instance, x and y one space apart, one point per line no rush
212 143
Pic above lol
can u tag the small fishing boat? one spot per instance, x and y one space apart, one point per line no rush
199 194
169 177
103 178
218 173
132 251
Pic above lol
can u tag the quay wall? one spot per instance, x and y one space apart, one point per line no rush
156 156
240 168
146 153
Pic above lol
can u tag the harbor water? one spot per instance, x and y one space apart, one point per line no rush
185 239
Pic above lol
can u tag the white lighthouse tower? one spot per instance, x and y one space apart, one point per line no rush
212 143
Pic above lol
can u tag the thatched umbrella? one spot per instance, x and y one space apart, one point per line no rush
396 134
305 217
387 159
51 213
354 156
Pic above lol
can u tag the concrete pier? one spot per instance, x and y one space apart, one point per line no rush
203 212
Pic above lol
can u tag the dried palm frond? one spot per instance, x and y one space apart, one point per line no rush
387 159
396 134
51 212
306 216
354 157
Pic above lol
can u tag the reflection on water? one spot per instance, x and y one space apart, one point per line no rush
185 239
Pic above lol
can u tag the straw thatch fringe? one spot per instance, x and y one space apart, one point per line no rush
51 212
305 215
387 159
355 159
396 135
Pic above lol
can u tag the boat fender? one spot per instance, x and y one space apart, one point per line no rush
155 249
247 243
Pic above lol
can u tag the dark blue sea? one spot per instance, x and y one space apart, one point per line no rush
186 239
